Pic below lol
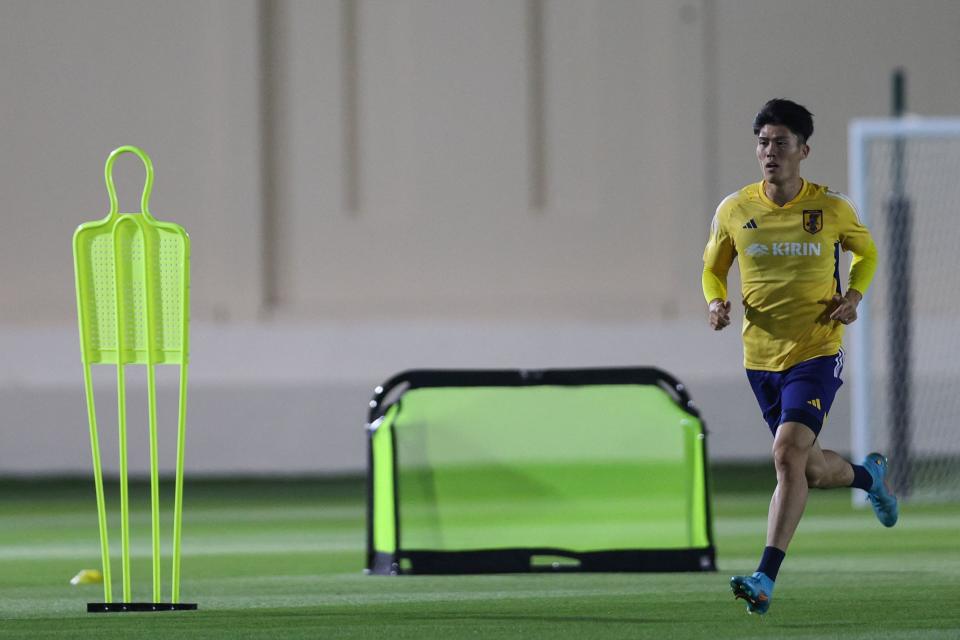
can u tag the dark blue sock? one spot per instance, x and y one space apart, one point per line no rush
770 562
861 478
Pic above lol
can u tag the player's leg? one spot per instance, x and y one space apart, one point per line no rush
818 381
827 469
803 396
791 449
808 393
756 589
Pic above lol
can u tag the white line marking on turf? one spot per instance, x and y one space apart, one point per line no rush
216 516
857 522
212 548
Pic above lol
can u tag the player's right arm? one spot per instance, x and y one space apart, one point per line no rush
717 258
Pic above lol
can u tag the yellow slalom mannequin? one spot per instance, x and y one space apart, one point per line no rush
133 308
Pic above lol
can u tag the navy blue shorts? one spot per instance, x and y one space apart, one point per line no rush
803 393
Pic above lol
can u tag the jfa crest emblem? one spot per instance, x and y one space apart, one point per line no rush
812 220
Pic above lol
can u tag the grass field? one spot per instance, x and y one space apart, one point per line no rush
283 559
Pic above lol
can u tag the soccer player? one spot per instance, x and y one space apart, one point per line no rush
787 234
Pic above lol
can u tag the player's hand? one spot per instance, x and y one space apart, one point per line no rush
719 314
845 307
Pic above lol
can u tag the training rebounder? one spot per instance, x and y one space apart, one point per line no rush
515 471
133 308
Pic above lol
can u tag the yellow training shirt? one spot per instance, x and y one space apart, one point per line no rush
789 260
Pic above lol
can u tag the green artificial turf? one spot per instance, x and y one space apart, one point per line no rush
283 559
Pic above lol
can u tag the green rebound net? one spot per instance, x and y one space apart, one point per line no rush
514 471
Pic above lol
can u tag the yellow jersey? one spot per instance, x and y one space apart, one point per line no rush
789 261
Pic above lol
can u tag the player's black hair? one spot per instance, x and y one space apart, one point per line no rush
787 113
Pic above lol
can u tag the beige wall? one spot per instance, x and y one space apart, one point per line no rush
449 217
445 167
409 164
179 79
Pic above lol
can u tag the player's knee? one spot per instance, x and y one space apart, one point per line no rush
788 457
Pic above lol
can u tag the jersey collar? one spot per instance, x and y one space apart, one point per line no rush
767 201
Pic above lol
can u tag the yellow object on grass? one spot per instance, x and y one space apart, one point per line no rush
133 308
87 576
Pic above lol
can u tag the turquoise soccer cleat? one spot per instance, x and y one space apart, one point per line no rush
757 590
884 503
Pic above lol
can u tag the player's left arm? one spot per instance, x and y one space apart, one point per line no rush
855 238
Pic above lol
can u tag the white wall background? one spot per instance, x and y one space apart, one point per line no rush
375 185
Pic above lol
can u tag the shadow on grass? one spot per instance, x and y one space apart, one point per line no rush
513 617
809 625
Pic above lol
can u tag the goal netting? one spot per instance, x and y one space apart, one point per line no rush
905 348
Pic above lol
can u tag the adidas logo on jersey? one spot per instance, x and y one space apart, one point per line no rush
751 225
816 403
784 249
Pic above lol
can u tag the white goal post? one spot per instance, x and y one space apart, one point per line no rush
914 163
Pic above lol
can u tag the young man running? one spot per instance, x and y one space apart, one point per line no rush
787 234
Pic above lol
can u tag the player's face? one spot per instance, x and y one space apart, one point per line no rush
779 151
